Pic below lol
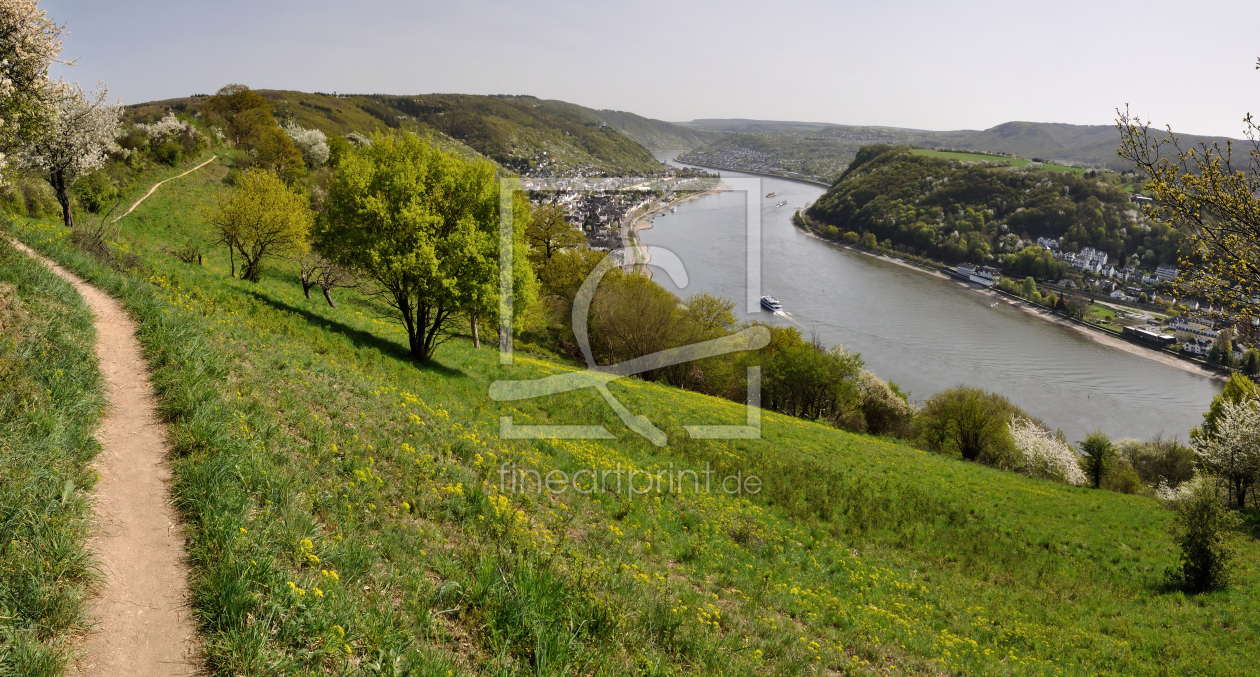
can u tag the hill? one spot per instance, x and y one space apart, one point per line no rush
346 511
821 151
937 205
522 133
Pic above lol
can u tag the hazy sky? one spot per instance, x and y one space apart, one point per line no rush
927 65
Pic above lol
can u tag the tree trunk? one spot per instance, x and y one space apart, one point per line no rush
475 334
328 296
306 289
63 196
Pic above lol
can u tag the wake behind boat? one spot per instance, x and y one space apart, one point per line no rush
771 304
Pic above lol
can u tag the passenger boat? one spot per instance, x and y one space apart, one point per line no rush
771 304
780 203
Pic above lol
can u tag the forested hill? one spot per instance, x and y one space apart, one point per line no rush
522 133
954 211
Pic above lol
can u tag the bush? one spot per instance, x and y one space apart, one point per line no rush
94 191
884 408
1099 455
1043 454
1204 531
972 423
1159 461
168 152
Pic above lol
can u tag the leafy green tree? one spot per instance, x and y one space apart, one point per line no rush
423 226
969 422
550 232
1099 455
243 112
1251 362
276 152
1204 530
261 218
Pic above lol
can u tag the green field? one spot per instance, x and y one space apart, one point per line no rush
51 397
344 512
980 157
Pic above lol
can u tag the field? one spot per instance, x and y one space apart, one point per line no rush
51 395
347 514
980 157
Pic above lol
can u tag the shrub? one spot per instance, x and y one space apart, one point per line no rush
312 142
168 152
970 422
1099 454
1043 454
1159 461
1204 531
884 408
94 191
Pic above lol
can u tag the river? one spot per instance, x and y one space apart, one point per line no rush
923 332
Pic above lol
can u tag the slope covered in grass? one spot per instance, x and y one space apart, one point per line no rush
51 397
346 515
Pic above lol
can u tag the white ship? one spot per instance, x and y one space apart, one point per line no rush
771 304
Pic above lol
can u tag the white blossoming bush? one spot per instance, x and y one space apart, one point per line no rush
1233 452
170 138
1044 455
312 142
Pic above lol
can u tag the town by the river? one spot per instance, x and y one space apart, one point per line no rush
923 332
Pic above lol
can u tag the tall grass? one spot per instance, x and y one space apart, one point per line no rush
345 516
51 398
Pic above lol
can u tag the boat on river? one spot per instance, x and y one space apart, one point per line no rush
771 194
771 304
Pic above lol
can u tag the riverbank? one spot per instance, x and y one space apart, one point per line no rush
1095 334
630 234
811 182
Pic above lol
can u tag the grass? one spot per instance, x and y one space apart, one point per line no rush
345 516
51 397
981 157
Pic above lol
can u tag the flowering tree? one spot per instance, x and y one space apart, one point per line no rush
1045 455
1233 452
29 43
82 130
312 142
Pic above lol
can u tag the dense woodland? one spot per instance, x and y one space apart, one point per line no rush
956 211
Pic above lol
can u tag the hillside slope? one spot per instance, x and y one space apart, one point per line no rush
347 514
522 133
958 211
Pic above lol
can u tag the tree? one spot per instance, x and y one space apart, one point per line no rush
423 226
260 218
312 142
969 422
1251 362
76 142
1204 531
1217 194
1233 450
1237 389
243 112
1099 454
316 271
1043 454
276 152
549 232
29 43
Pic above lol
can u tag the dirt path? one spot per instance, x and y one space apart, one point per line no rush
159 183
141 615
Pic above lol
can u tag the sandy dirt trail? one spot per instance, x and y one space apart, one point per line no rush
158 184
142 625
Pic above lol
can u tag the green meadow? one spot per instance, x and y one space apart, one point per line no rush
51 398
980 157
346 514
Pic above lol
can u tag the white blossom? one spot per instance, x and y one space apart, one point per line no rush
78 140
29 43
1233 453
1043 454
169 127
312 142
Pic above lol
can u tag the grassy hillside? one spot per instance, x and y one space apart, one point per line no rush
51 396
345 515
522 133
651 134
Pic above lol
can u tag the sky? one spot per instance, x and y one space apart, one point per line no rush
923 65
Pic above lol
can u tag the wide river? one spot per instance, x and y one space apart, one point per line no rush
923 332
